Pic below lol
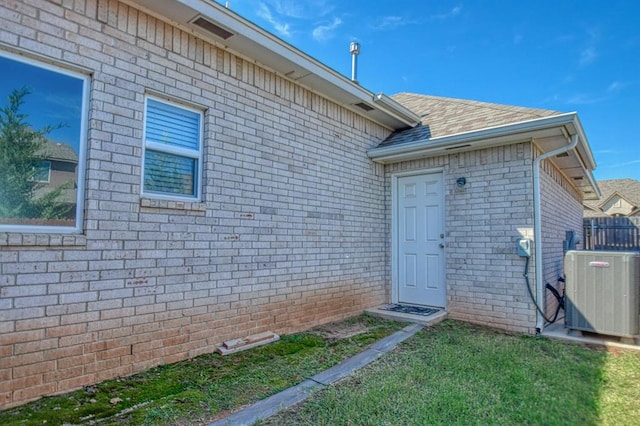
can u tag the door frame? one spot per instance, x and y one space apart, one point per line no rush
394 226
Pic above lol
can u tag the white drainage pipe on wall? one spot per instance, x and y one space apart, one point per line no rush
537 223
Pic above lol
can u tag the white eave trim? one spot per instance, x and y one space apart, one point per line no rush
567 124
384 102
275 51
490 136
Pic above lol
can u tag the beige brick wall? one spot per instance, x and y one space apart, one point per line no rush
484 219
561 211
290 232
482 222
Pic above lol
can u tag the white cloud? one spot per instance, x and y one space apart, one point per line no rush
594 98
588 56
389 23
291 9
618 165
553 98
281 28
63 104
569 78
302 9
616 86
325 32
455 11
584 99
284 16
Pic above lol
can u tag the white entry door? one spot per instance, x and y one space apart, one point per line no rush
420 240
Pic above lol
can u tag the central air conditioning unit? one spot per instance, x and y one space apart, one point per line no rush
603 292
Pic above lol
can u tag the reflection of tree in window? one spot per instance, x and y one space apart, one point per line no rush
23 152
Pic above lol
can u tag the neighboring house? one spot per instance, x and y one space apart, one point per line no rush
229 184
60 167
620 198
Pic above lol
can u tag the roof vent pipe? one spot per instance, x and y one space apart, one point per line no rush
354 49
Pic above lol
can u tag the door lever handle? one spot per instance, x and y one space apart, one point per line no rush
441 245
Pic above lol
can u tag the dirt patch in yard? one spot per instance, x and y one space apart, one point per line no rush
336 331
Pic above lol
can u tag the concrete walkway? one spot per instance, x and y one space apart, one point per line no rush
287 398
559 332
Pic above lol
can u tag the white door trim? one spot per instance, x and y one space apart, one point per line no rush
394 223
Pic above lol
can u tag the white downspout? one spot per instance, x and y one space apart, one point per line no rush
537 223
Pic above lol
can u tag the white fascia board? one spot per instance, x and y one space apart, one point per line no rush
586 155
592 181
584 143
400 111
256 44
491 136
273 44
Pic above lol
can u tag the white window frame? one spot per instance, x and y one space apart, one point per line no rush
174 150
85 78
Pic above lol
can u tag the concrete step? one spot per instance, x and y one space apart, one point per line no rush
434 318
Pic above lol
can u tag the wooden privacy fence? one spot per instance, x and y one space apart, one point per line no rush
612 233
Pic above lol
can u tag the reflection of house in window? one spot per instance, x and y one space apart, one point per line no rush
59 167
43 172
55 101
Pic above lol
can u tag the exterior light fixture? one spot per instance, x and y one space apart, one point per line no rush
461 182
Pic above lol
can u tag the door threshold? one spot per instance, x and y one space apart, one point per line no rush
383 311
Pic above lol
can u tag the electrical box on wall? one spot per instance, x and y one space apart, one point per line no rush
523 247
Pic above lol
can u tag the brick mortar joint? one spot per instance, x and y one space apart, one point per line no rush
17 239
152 203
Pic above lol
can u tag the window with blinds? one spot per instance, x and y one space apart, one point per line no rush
173 150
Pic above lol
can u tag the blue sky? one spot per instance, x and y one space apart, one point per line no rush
563 55
54 99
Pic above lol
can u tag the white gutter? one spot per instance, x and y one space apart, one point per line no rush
404 151
537 223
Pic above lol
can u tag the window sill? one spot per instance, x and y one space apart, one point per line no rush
191 207
8 239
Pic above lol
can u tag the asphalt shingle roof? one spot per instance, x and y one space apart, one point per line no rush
627 188
59 151
449 116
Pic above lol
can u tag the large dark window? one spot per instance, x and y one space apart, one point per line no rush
42 142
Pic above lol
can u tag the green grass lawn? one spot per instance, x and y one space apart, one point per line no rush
453 373
199 390
456 373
